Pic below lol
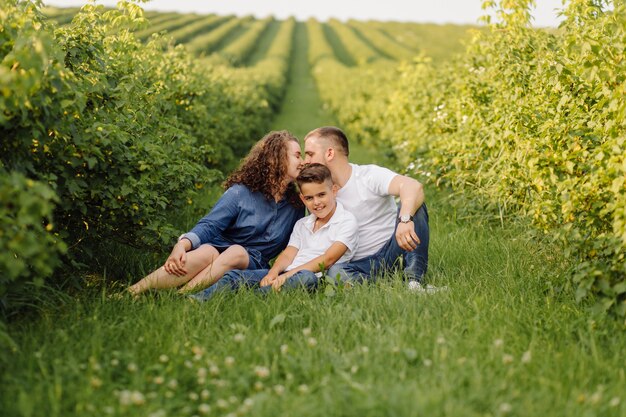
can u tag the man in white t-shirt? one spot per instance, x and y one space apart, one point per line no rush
327 236
368 192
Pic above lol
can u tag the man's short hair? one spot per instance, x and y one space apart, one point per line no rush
314 173
334 135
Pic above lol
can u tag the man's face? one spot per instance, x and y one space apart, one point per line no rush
319 199
314 150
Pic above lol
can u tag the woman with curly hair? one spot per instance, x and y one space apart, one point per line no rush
249 225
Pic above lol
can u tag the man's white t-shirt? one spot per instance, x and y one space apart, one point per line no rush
342 227
366 195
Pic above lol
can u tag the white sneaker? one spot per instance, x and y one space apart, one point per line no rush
415 286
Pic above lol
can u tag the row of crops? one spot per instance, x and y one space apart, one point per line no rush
525 125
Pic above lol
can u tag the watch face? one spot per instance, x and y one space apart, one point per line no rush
405 218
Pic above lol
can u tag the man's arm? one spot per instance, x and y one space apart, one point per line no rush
285 259
411 193
327 259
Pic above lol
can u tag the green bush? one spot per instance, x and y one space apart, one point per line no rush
29 244
531 124
124 133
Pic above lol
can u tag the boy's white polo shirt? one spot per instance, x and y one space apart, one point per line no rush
366 195
342 227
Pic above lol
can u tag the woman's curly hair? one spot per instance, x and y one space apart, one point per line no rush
265 167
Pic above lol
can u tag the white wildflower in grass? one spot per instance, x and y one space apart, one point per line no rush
201 372
596 397
614 402
427 363
284 349
262 372
115 362
461 360
464 118
204 409
127 397
258 386
441 340
505 408
169 394
201 381
279 389
229 361
365 350
239 337
221 403
158 413
303 389
188 364
498 343
411 166
197 350
507 359
108 410
173 384
526 357
354 369
248 402
124 397
132 367
289 376
205 394
163 358
140 339
193 396
311 341
95 382
214 370
306 331
233 399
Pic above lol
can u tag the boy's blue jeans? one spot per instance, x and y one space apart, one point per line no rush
236 279
415 262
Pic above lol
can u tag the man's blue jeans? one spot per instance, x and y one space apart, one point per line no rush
415 262
247 278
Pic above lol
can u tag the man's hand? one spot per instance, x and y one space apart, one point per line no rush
268 279
175 263
406 236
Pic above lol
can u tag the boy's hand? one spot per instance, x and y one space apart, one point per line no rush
279 281
268 279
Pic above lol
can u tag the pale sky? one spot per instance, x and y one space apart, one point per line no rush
432 11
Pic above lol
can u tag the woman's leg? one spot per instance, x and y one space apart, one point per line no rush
197 260
235 257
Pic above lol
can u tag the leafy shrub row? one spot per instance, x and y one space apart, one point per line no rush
122 133
530 124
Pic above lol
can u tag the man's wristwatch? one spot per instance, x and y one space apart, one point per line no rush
405 218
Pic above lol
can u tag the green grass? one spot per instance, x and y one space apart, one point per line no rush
302 109
505 339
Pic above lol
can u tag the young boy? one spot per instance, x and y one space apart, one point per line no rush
327 236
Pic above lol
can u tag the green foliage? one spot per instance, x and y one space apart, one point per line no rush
361 52
210 42
124 133
238 51
526 124
29 243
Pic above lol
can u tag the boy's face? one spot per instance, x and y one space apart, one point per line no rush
319 199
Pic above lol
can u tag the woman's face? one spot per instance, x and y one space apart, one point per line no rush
294 159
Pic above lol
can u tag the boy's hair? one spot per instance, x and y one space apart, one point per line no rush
316 173
334 135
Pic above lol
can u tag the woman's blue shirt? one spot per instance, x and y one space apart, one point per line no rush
246 218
